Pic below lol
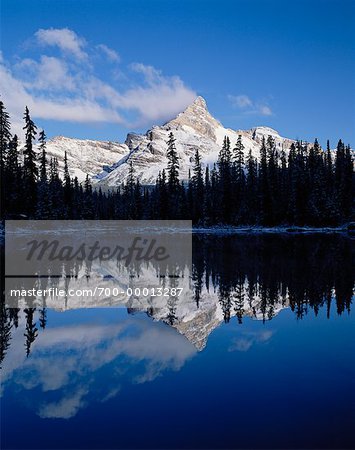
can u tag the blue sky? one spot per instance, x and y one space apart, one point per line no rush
98 69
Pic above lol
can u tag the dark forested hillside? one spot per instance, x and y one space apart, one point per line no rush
305 186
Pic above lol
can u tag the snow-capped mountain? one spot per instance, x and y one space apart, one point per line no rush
84 156
195 322
107 163
195 128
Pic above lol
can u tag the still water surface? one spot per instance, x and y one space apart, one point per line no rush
263 357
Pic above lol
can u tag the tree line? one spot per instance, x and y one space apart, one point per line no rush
305 186
252 276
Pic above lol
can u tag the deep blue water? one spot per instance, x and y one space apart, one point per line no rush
106 378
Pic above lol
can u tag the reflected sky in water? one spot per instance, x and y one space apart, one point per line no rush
112 378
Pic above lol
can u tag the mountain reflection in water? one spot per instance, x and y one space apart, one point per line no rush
75 359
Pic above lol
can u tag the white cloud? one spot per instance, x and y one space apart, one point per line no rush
111 394
151 75
62 89
53 74
63 38
111 54
241 101
49 73
67 361
161 98
249 106
249 339
65 408
79 109
265 110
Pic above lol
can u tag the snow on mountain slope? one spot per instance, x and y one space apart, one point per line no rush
193 129
107 163
84 156
195 322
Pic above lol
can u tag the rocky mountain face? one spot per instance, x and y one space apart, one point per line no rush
195 321
193 129
84 156
197 117
107 163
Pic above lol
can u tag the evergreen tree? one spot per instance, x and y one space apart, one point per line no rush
11 192
272 181
30 168
283 189
5 331
163 196
317 193
215 196
173 164
129 194
56 207
5 137
138 206
225 181
251 190
344 180
239 181
264 188
43 203
5 134
88 210
43 318
174 188
31 329
208 195
67 188
197 189
298 185
43 162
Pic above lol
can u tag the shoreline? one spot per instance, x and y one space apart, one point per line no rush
347 229
289 230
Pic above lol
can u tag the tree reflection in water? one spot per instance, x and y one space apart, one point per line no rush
252 276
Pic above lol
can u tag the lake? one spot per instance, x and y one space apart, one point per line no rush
261 354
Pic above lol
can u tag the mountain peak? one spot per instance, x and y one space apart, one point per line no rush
265 131
200 102
197 117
